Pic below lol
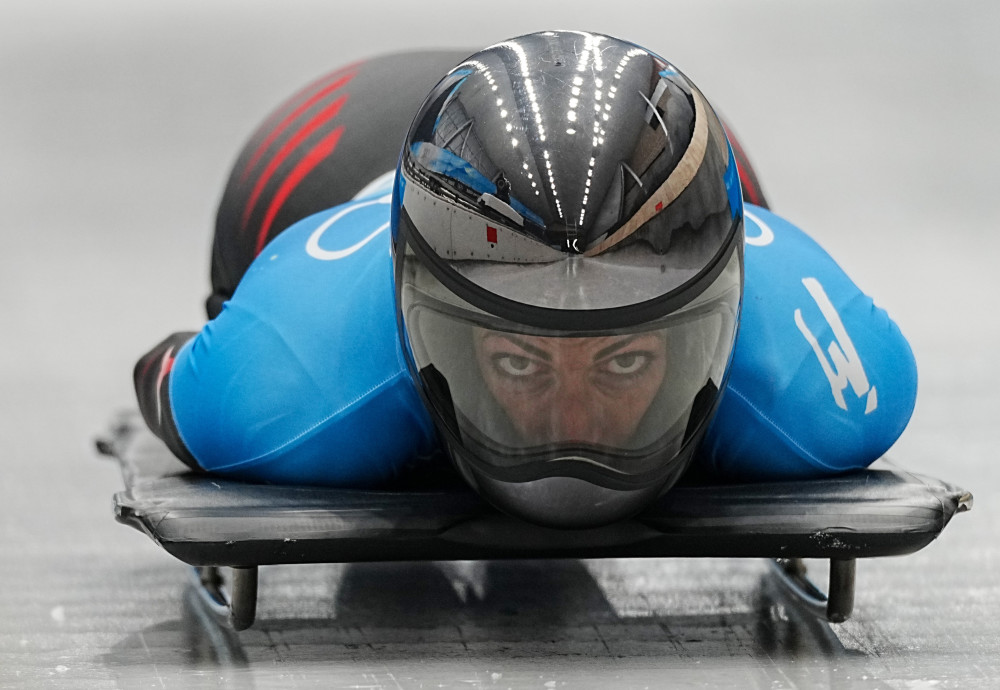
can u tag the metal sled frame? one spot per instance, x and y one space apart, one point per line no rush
213 523
237 605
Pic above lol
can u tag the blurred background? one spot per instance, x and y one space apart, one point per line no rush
871 125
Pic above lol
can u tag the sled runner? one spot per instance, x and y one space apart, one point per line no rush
213 523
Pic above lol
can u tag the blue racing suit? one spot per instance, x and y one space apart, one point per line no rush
301 377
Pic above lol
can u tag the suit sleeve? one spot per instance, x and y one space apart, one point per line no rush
822 380
151 377
300 378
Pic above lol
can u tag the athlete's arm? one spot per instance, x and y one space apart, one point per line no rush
299 379
151 377
822 380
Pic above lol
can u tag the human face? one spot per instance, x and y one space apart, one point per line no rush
566 390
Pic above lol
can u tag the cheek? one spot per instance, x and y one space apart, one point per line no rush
628 407
525 411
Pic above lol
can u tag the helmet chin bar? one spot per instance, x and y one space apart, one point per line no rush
566 502
588 463
570 499
562 487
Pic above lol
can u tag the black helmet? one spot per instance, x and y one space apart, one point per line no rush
568 234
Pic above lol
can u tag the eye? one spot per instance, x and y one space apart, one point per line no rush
627 363
515 365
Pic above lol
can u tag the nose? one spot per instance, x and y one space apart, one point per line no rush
576 417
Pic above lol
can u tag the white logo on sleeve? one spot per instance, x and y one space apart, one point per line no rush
317 252
844 365
766 235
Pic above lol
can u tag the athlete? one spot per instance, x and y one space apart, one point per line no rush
558 283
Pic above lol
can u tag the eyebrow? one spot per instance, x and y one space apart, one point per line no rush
526 346
601 354
545 355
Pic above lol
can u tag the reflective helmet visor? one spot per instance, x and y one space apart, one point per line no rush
527 402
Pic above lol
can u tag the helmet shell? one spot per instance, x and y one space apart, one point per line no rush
562 186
